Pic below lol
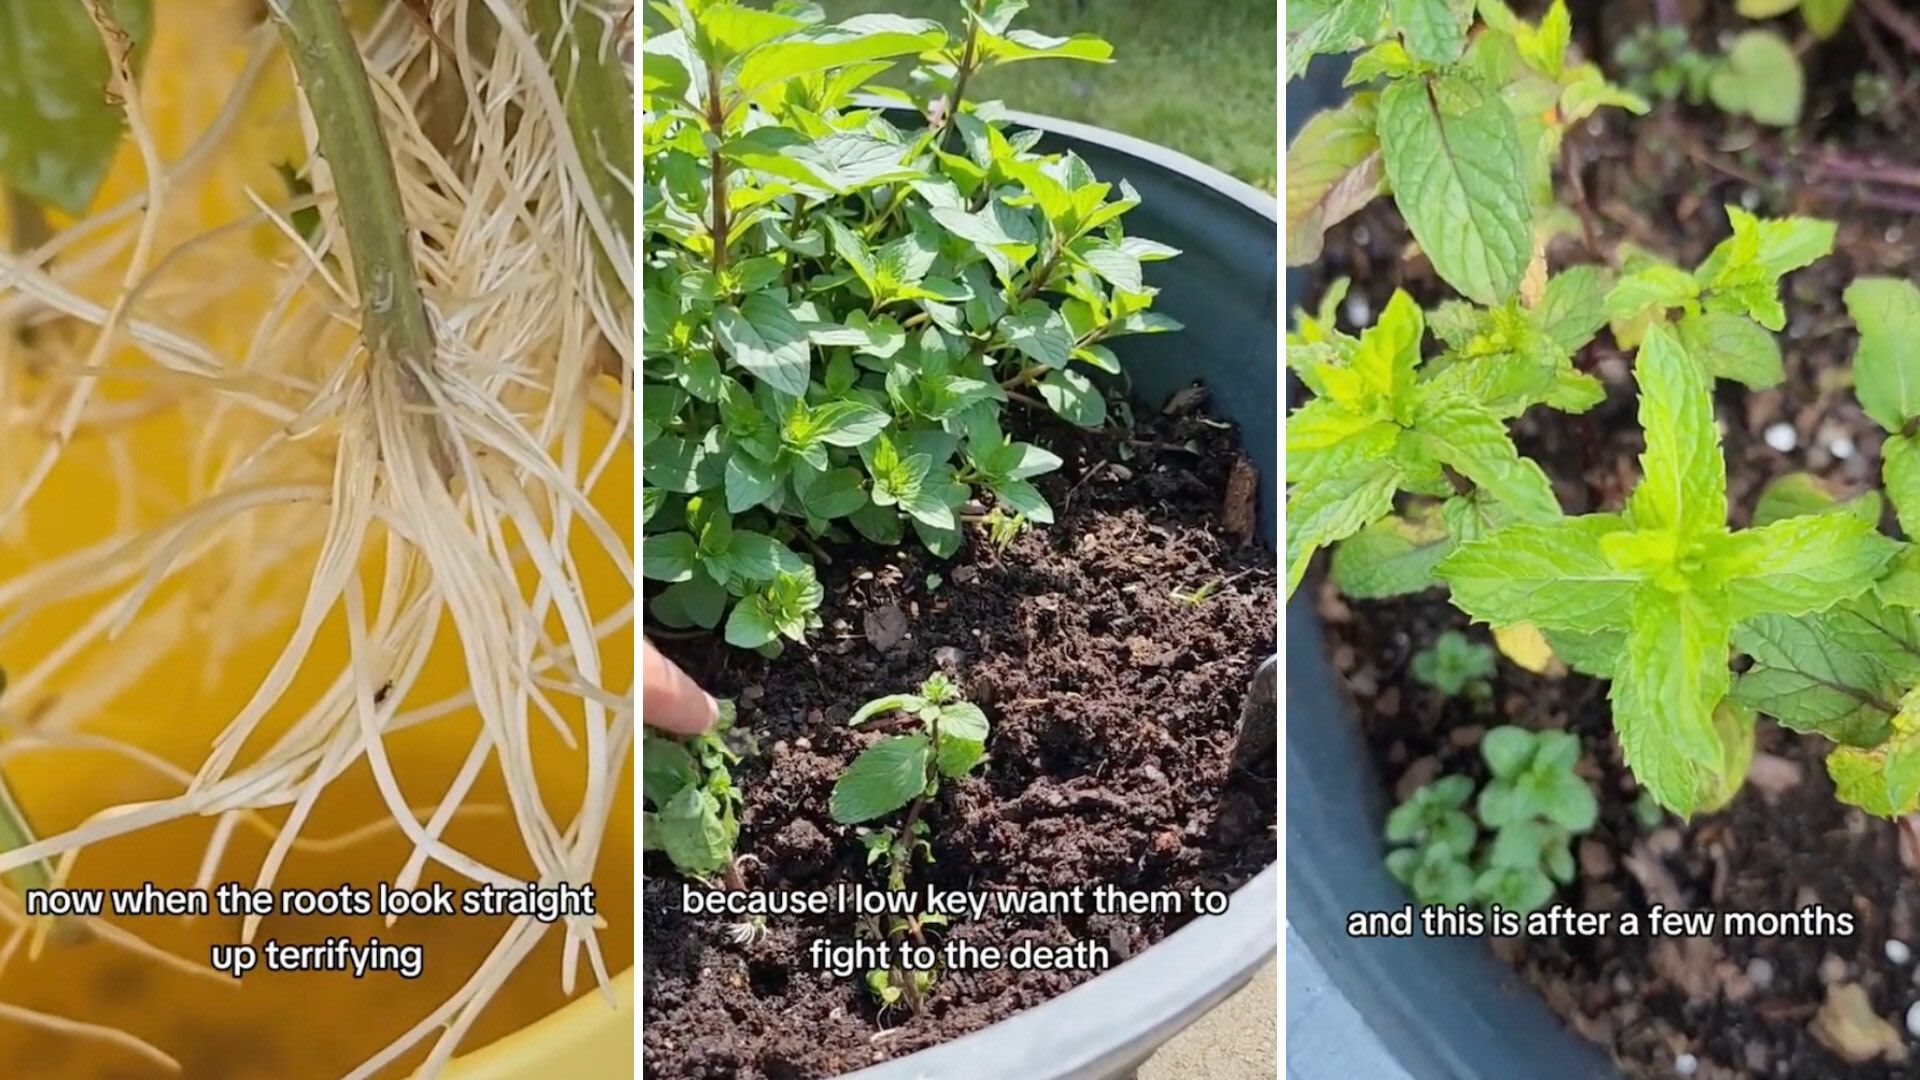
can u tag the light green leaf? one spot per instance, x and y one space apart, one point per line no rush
1391 557
1884 781
1825 17
1508 750
1454 160
881 706
885 777
1764 9
1684 487
1900 474
763 336
1330 27
1017 45
1023 498
1573 308
855 41
666 770
1468 438
847 423
1801 493
58 129
1664 693
1554 576
1330 510
1734 724
751 625
1800 565
1650 288
1733 347
1432 29
1039 332
1761 77
1886 369
964 720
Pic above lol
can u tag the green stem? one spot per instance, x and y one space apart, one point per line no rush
599 100
963 71
35 876
393 313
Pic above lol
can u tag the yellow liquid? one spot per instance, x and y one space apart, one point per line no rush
267 1025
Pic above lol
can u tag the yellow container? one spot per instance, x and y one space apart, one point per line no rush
153 688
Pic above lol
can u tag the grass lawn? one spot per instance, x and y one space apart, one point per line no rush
1199 76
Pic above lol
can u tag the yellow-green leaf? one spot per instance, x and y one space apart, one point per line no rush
1886 368
59 129
1684 487
1664 692
1334 169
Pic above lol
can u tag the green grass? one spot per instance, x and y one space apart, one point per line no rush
1198 76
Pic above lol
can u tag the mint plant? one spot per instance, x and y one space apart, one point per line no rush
691 801
1518 853
1455 665
905 770
839 301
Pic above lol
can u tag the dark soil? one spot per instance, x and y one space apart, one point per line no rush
1114 706
1719 1007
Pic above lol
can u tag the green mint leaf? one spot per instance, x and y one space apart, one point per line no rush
752 624
857 40
1800 565
1797 494
1573 308
1655 287
956 755
1825 17
666 770
1733 347
1900 473
1884 780
667 556
847 423
1434 31
1017 45
1508 750
1684 483
1326 511
1453 158
1074 397
695 832
1329 28
1734 723
1039 333
58 129
749 482
1391 557
698 601
885 777
1664 692
1476 444
763 336
1885 375
1554 576
881 706
1761 78
832 494
1023 498
1838 673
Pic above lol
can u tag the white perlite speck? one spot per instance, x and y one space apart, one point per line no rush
1897 951
1686 1065
1782 437
1842 448
1913 1019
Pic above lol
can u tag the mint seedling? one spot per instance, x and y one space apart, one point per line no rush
691 800
1534 778
899 769
1455 665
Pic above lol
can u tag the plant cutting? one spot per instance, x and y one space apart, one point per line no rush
1719 594
313 554
884 406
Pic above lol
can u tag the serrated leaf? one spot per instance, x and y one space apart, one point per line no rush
1684 483
59 130
1453 158
1800 565
1334 168
1554 576
1733 347
1796 494
856 40
1326 511
1475 444
1900 474
763 336
1391 557
666 770
1830 674
1664 692
1432 29
1650 288
694 832
884 778
1886 374
1329 27
1573 308
667 556
1884 780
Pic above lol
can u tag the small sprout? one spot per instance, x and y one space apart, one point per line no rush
934 581
1648 811
1200 595
1455 665
1003 530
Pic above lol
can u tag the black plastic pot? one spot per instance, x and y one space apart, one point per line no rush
1223 288
1443 1008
